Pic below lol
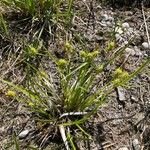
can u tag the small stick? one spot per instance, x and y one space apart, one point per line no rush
73 114
63 135
146 28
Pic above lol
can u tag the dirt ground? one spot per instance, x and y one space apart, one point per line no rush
123 123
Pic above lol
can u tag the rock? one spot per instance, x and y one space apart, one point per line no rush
99 7
118 30
130 31
99 38
125 25
121 94
23 134
134 99
123 148
111 18
145 45
146 55
118 37
2 129
103 24
130 51
105 17
136 144
137 51
125 42
109 23
107 20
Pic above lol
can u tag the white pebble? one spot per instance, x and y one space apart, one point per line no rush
123 148
2 129
130 51
129 31
111 18
103 23
121 93
118 30
105 17
137 51
125 25
136 144
23 134
125 42
109 23
146 55
118 37
145 45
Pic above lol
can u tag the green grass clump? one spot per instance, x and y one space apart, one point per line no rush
40 8
69 95
35 17
74 93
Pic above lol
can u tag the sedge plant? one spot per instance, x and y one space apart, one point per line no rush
74 93
43 14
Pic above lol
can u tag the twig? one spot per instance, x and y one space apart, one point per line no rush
73 114
146 28
63 135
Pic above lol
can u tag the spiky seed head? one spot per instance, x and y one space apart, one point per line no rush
83 54
11 93
61 62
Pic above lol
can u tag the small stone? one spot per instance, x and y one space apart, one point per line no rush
103 24
2 129
105 17
88 37
130 51
145 45
134 99
146 55
98 38
111 18
136 144
121 39
121 93
129 32
23 134
125 25
137 51
123 148
118 37
118 30
109 23
125 42
99 7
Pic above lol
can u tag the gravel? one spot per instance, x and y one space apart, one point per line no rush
146 46
121 93
123 148
23 134
136 144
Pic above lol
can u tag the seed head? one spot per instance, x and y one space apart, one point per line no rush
69 47
11 93
83 54
61 62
